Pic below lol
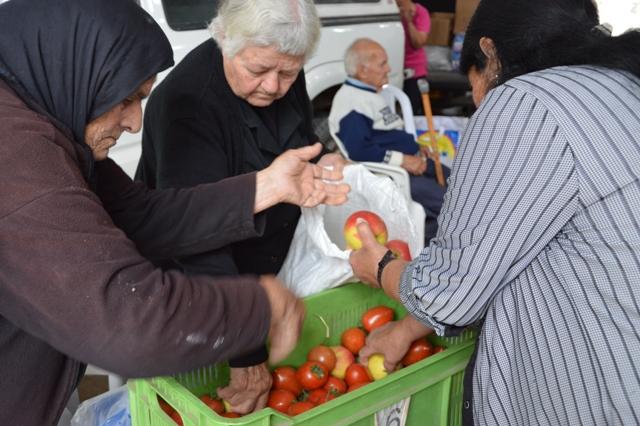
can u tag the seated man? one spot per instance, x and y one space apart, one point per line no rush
371 131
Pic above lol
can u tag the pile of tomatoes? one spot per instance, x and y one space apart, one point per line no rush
330 371
333 371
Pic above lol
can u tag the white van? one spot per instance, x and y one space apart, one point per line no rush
185 21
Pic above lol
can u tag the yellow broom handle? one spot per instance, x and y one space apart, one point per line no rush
426 104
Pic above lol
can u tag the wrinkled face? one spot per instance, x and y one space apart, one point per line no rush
103 132
480 84
375 71
260 75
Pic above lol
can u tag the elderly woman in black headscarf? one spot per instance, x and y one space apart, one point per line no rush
76 233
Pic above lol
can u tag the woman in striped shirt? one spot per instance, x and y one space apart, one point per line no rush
539 237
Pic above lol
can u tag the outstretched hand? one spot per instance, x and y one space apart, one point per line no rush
297 181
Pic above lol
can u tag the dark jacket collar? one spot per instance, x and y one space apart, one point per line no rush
289 119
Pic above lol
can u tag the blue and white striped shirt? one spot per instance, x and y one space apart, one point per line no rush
539 237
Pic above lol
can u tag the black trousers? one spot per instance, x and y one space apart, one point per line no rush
410 87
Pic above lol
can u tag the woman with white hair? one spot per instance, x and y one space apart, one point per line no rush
232 106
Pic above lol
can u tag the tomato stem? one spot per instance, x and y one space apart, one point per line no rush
326 327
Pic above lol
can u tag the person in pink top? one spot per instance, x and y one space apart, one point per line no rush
417 24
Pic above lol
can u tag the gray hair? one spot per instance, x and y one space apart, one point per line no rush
357 54
292 26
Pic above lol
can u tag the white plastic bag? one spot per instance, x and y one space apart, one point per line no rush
108 409
318 258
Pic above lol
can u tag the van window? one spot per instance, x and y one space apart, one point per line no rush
184 15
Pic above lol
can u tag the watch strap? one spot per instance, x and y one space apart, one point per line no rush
388 257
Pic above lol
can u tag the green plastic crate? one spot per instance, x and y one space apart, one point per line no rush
434 384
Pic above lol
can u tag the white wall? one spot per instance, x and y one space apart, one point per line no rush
621 14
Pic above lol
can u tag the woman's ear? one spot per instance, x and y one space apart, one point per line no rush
489 49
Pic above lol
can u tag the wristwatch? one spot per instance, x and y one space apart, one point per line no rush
388 257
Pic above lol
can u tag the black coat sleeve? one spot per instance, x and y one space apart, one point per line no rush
75 281
169 223
191 151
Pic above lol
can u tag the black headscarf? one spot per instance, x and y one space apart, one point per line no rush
76 59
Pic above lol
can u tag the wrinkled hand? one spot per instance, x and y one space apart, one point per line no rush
388 340
287 315
306 184
426 152
393 340
416 165
248 389
365 260
333 161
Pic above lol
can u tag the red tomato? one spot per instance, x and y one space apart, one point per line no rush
215 404
230 414
280 400
323 354
312 375
353 339
377 317
299 407
318 396
285 378
419 350
165 406
176 418
356 386
357 373
335 386
438 349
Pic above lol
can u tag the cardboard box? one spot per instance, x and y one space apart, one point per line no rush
441 25
464 12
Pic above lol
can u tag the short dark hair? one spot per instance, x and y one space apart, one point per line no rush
535 35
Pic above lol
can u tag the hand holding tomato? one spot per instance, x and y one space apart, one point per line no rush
365 260
388 341
248 388
364 263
